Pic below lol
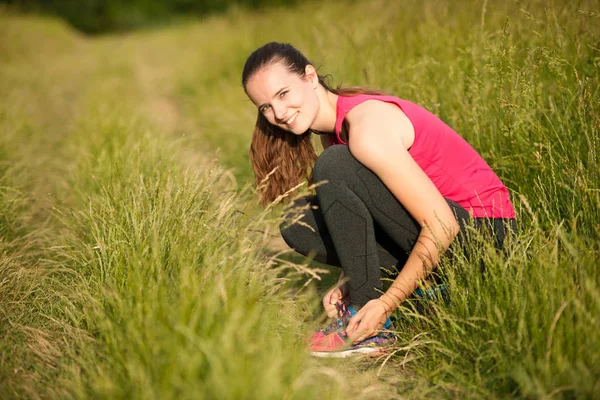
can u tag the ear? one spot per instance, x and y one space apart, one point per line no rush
311 74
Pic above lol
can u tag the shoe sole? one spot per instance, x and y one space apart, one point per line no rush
347 353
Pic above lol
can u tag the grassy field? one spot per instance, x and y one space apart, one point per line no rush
135 263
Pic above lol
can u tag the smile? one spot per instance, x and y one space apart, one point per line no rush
291 120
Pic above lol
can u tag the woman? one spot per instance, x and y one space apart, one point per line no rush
398 186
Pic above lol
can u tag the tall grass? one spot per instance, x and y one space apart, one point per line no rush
148 265
520 82
131 266
180 301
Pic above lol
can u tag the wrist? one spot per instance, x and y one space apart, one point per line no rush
397 294
390 303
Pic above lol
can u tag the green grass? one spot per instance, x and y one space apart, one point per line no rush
134 262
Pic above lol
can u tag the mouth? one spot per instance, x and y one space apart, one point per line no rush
290 121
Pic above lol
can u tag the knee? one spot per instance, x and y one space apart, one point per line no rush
288 233
330 162
297 210
295 235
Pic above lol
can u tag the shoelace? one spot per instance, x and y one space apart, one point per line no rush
339 323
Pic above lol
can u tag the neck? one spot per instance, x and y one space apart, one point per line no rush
325 121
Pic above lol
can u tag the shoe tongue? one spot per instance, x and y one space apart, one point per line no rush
353 312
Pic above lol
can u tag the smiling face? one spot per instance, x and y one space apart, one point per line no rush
285 98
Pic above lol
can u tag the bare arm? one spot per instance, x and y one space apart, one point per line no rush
380 146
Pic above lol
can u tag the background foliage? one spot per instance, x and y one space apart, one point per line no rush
101 16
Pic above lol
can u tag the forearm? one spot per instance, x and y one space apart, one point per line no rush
423 258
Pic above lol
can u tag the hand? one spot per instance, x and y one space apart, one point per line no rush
368 321
333 297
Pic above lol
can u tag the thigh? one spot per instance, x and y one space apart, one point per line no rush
392 217
305 231
340 168
496 229
309 236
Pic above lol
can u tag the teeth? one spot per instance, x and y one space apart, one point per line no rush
292 119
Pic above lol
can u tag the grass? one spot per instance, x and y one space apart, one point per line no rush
133 259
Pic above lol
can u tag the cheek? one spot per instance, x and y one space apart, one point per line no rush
270 119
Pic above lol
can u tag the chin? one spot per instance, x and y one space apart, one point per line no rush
299 132
296 130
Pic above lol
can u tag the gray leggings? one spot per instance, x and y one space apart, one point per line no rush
359 225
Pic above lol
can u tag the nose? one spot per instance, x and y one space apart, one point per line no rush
279 111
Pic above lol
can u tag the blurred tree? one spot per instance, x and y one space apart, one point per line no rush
98 16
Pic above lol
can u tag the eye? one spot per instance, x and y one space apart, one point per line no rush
263 109
283 93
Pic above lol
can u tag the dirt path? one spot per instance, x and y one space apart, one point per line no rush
156 88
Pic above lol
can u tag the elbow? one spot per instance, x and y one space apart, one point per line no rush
454 229
448 230
451 227
442 233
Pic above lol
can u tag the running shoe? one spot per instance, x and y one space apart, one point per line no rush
425 298
433 293
331 341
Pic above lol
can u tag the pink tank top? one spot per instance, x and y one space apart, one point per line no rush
455 168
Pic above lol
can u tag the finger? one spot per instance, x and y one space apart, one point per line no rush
360 339
359 336
328 300
362 335
362 329
355 336
354 322
334 296
351 325
331 312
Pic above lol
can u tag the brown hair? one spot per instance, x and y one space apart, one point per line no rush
282 160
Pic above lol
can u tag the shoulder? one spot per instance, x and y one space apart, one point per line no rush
373 107
376 120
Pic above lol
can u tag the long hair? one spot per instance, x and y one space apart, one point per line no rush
282 160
